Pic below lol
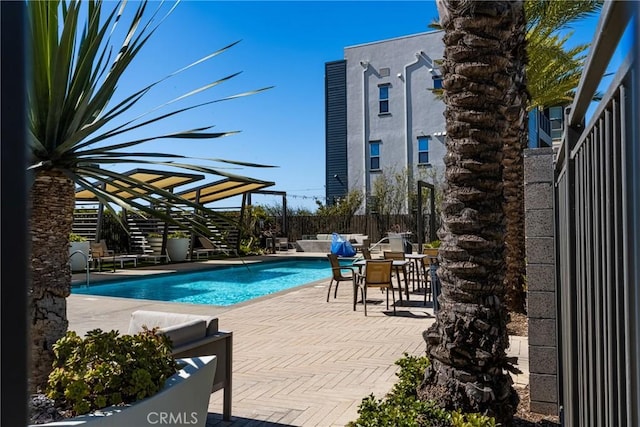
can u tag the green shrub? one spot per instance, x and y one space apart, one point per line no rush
76 238
433 244
402 408
178 235
105 369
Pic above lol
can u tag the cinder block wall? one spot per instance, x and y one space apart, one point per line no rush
541 299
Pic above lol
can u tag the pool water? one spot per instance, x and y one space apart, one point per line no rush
222 286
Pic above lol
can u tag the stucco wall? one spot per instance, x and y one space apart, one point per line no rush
413 109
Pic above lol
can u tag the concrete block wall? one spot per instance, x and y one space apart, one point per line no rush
541 298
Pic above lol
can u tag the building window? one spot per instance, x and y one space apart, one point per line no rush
383 91
437 82
556 119
423 150
374 155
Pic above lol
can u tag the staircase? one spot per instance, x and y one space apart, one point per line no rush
85 223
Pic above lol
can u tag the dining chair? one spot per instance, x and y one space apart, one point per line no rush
337 276
377 274
406 270
429 262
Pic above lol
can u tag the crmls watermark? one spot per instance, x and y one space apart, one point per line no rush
160 418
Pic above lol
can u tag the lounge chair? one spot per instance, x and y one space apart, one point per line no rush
154 254
210 247
282 244
100 252
194 335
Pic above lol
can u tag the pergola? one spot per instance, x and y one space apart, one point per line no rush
169 181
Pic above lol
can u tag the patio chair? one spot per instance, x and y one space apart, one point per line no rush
429 263
100 252
406 271
377 274
282 244
210 246
338 277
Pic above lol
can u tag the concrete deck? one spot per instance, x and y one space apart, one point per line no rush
298 360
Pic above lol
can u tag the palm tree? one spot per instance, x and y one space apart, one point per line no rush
78 122
467 344
552 74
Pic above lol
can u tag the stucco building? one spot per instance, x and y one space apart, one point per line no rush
381 113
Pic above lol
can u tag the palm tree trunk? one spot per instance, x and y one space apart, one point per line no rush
516 138
52 200
467 344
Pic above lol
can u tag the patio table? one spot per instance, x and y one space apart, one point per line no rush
398 265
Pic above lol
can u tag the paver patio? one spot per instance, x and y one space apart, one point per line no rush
298 360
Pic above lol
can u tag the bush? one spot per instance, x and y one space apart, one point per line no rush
178 235
402 408
105 369
76 238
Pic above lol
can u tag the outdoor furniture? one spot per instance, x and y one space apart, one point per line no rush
210 246
416 272
430 265
193 335
338 277
377 274
396 264
282 244
100 252
406 268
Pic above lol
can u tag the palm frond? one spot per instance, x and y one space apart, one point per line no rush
80 52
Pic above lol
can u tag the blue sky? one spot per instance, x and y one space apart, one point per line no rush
285 45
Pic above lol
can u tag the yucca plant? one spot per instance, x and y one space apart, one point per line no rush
79 122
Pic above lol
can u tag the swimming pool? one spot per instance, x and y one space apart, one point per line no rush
222 286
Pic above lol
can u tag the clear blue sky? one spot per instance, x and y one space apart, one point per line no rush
285 45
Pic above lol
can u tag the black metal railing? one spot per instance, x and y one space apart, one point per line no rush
598 252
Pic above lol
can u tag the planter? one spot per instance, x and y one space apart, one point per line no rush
155 244
182 402
178 249
78 261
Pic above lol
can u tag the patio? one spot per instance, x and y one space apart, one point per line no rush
298 360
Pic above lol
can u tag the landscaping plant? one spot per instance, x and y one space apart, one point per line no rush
82 119
106 369
402 408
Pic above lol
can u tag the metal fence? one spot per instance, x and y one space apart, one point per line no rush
598 252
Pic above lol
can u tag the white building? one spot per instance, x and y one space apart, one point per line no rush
381 114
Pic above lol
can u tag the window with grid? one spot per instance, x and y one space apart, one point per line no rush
423 150
374 155
383 91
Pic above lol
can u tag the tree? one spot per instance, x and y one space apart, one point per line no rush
345 206
552 74
77 122
467 343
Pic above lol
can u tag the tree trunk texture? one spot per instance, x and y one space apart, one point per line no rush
467 344
51 203
516 139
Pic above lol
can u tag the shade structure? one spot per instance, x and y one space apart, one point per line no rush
165 180
223 189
